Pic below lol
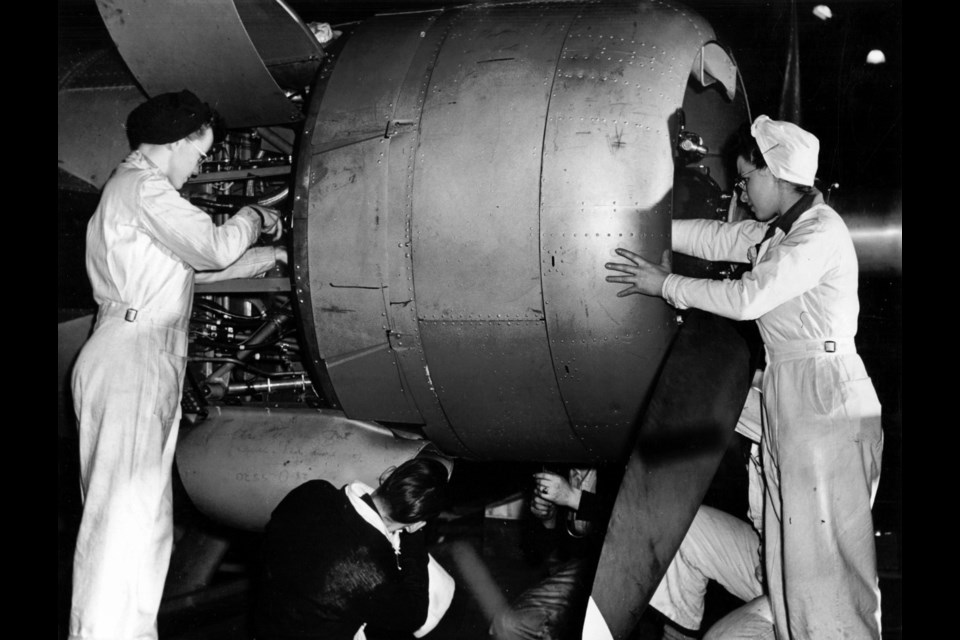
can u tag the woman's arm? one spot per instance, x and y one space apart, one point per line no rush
189 233
716 240
787 270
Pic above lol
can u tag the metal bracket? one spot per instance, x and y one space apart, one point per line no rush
398 126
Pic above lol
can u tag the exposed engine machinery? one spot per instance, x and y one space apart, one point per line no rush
245 346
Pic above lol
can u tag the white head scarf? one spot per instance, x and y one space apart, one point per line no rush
790 152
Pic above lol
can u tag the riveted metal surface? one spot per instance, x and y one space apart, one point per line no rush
402 312
519 145
607 181
361 94
347 248
475 232
478 165
201 45
350 217
369 385
606 350
348 284
491 377
303 258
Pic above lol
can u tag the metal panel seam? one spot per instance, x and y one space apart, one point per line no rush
543 143
445 21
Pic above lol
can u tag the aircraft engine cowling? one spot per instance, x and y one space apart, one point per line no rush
463 175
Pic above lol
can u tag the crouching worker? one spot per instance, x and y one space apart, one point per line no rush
352 563
554 608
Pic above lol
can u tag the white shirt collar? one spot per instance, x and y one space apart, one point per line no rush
355 492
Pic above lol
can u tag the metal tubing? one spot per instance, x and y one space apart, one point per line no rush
215 386
253 173
268 387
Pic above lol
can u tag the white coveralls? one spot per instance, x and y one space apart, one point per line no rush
721 547
822 442
144 245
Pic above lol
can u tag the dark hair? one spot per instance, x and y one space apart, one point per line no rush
746 147
415 491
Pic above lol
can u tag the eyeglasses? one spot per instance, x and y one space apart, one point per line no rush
741 182
203 156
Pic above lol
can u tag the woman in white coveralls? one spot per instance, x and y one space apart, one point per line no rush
822 441
146 246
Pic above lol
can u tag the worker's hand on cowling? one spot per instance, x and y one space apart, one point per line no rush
642 275
556 489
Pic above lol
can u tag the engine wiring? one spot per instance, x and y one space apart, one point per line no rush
243 345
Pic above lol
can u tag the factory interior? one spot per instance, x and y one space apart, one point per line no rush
450 179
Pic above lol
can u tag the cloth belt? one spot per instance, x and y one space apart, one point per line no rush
793 349
131 314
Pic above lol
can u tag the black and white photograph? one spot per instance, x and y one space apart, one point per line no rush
506 320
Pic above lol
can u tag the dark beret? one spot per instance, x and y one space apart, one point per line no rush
167 117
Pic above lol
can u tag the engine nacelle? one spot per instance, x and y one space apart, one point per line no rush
463 176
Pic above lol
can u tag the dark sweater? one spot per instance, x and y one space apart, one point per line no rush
326 571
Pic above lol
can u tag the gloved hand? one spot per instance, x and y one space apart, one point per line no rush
270 224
